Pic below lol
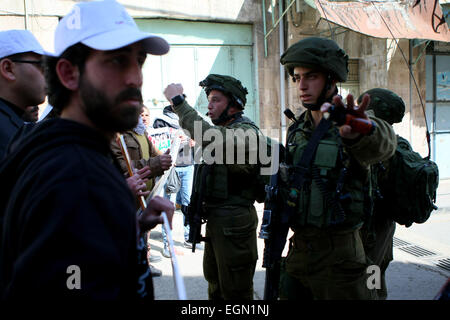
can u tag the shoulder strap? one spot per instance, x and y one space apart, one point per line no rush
309 152
276 221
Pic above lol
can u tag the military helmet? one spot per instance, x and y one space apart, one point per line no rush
318 53
386 105
227 85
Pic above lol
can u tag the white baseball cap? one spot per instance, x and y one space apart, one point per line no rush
18 41
103 25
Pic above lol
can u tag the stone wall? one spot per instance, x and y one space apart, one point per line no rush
380 64
42 18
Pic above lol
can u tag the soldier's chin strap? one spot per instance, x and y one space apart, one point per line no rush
323 96
225 117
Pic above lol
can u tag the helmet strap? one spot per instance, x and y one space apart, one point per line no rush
225 117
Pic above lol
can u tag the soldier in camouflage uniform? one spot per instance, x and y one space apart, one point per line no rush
326 258
379 232
229 194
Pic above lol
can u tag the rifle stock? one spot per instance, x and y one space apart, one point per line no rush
196 214
274 229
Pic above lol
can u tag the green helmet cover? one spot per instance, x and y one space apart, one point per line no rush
226 84
386 105
317 53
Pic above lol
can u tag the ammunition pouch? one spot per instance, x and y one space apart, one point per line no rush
318 199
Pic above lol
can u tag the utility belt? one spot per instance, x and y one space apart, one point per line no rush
223 187
307 239
220 188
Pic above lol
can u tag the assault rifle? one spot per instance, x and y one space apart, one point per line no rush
277 215
274 230
195 211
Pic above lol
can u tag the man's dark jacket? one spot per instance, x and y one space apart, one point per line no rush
10 122
63 203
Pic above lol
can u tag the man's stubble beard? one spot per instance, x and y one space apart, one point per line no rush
105 114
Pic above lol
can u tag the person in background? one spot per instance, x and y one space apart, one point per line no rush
146 117
378 235
144 159
184 166
22 82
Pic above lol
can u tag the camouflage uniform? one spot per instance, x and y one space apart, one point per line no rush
230 249
326 258
379 232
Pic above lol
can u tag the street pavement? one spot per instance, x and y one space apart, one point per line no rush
420 268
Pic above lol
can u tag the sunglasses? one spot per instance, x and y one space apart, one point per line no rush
37 63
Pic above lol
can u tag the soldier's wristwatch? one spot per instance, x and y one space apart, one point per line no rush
178 99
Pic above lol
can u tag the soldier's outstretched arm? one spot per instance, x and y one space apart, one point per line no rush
368 149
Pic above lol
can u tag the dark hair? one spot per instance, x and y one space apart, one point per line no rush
58 95
19 55
231 100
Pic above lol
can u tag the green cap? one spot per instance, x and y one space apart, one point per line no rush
227 85
386 104
317 53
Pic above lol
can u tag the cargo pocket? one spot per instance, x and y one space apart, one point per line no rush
355 203
242 241
349 256
241 255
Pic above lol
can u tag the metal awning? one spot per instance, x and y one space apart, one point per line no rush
411 19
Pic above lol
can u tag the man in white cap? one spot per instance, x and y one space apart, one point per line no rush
69 222
22 82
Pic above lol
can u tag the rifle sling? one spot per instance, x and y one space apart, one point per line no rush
275 244
279 240
309 153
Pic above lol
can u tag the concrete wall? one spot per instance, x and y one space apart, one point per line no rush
42 17
380 64
413 127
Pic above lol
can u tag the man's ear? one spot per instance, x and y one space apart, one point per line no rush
68 74
233 109
332 86
334 82
7 69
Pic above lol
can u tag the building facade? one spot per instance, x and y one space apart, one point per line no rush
245 39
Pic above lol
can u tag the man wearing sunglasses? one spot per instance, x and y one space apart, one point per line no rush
22 82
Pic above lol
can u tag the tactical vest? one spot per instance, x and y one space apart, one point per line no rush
333 174
223 186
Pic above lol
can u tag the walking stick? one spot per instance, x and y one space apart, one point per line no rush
126 156
158 190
